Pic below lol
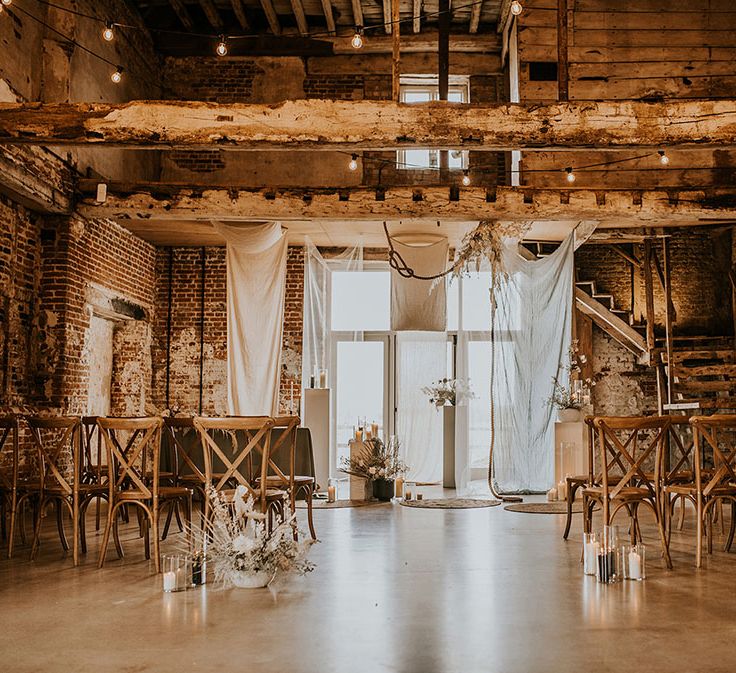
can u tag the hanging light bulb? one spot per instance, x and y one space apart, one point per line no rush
107 33
7 3
466 178
353 165
516 8
357 40
222 46
117 76
663 158
570 174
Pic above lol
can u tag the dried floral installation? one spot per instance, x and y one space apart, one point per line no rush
376 460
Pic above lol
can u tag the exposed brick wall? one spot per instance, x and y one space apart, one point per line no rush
198 161
293 331
340 87
211 79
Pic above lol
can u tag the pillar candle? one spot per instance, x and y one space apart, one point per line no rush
368 433
331 494
169 581
407 495
374 429
322 378
358 434
552 494
634 565
590 553
562 490
399 487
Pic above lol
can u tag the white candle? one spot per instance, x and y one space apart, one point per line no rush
407 495
322 378
374 429
368 433
169 581
562 490
399 485
589 558
331 494
634 566
552 494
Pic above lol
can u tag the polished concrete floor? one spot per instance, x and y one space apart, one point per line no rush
395 589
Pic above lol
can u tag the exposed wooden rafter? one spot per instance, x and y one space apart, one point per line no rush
416 15
475 12
301 18
212 14
357 12
619 208
183 13
355 125
271 16
239 11
387 16
329 18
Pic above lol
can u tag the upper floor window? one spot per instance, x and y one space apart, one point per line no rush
424 89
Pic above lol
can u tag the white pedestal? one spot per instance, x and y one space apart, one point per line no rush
357 484
448 447
574 461
316 417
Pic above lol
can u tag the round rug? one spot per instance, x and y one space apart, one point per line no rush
450 503
544 508
339 504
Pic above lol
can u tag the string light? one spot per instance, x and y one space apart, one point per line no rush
663 158
516 8
117 76
7 3
353 165
570 174
107 33
357 40
222 46
466 178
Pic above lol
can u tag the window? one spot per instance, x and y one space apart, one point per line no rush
424 89
361 300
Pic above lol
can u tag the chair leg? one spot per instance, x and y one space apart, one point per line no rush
76 522
178 516
169 516
60 524
571 491
11 529
106 535
699 532
37 529
732 528
709 529
154 535
116 533
310 519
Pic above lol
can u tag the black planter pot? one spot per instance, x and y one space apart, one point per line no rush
383 489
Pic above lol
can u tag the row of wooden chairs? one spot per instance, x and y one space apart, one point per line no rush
658 461
125 462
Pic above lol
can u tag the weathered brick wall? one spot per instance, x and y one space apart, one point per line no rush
179 350
293 331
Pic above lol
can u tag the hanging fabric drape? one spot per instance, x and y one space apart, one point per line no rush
316 314
419 305
256 281
532 333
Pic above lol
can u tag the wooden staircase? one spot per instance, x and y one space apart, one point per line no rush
616 322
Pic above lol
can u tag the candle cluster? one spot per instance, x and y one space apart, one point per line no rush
610 561
182 571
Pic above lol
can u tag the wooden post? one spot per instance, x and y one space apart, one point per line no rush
396 53
649 294
668 314
562 41
443 71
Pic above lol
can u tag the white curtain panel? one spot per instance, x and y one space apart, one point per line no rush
421 360
256 281
420 305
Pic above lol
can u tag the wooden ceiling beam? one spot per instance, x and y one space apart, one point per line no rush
271 16
387 16
301 18
329 18
417 15
475 13
239 11
357 12
212 14
182 13
621 208
356 125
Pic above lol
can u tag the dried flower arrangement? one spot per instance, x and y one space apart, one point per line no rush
575 393
449 392
240 547
376 460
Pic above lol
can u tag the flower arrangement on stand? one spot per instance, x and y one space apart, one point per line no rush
242 551
378 463
449 392
572 395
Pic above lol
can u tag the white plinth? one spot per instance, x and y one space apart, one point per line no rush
316 417
573 462
357 484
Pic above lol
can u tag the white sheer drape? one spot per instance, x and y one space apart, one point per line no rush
256 281
317 270
533 321
421 359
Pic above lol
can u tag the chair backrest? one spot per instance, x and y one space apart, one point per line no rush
9 439
282 451
679 450
133 453
590 430
715 440
248 434
58 446
627 445
188 456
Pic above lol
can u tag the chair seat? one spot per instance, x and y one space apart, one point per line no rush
272 494
690 489
275 481
84 489
164 493
627 494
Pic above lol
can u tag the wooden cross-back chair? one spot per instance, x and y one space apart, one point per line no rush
134 465
95 465
626 446
62 466
14 491
677 467
248 436
283 452
714 479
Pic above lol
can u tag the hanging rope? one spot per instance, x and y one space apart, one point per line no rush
398 264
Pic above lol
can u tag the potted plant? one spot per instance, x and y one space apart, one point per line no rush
379 464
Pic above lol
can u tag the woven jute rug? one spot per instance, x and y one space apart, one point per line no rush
339 504
450 503
544 508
